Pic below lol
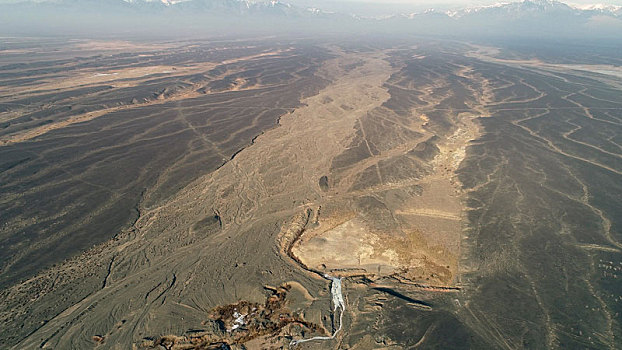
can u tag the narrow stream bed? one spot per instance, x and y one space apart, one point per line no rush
338 303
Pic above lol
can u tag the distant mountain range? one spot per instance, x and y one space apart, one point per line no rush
524 18
187 7
530 8
514 10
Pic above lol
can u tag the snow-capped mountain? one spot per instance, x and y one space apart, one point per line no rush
522 8
597 7
531 8
527 7
178 7
526 17
607 10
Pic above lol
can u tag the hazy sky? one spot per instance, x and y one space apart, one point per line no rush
392 6
470 2
408 3
417 3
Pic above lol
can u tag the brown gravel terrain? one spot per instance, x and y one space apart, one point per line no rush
270 175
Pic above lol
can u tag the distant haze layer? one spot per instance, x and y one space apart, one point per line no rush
199 18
